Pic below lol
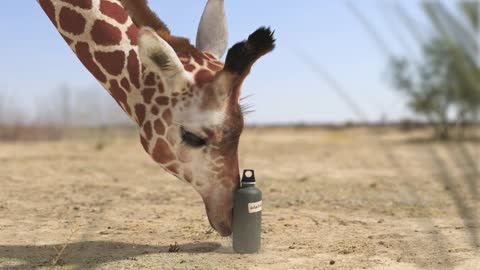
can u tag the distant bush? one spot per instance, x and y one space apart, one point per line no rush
26 133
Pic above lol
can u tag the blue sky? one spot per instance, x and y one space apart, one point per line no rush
285 88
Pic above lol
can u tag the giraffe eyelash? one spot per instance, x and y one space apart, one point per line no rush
246 108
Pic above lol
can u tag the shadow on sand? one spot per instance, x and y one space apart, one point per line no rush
88 255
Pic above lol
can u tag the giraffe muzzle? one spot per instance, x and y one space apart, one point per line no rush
220 217
219 208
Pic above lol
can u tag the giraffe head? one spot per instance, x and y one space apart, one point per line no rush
184 100
194 127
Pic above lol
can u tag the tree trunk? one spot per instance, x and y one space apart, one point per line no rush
460 125
444 134
445 127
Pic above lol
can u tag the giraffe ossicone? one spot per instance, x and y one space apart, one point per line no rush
184 100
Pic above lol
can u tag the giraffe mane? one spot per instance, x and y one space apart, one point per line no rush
142 15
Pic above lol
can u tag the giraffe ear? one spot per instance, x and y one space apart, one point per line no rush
157 54
212 35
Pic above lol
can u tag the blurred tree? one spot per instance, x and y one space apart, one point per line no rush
470 9
447 79
430 86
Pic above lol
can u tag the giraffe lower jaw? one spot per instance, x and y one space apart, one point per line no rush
222 228
220 218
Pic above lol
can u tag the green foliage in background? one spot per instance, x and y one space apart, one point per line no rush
444 86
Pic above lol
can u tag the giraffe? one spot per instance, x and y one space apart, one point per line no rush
183 99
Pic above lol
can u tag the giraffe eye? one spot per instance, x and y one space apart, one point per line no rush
192 139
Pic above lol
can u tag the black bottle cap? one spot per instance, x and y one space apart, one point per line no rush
248 177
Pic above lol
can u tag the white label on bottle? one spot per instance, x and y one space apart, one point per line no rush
255 207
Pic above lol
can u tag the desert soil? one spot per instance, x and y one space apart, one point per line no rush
333 199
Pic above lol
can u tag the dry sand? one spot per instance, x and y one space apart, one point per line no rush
333 199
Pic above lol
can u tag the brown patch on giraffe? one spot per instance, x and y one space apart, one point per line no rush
155 110
105 34
160 87
68 40
183 55
198 59
114 11
133 67
173 168
147 128
49 9
174 102
209 56
84 4
150 79
147 94
162 153
144 143
167 117
188 175
162 101
125 84
83 52
189 67
128 110
140 113
132 34
112 62
71 21
159 127
118 93
214 67
203 76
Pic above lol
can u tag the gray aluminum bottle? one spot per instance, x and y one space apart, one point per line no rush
247 215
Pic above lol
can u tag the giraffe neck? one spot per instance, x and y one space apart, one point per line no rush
104 38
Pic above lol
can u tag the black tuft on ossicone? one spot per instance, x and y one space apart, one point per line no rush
243 54
262 39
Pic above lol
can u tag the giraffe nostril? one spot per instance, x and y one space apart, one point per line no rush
221 224
224 229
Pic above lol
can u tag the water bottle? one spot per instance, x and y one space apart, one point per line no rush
247 215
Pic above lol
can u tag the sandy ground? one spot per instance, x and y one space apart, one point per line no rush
344 199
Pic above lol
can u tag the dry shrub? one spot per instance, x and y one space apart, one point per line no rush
29 133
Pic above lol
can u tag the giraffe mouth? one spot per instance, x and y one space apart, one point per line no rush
224 228
220 213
